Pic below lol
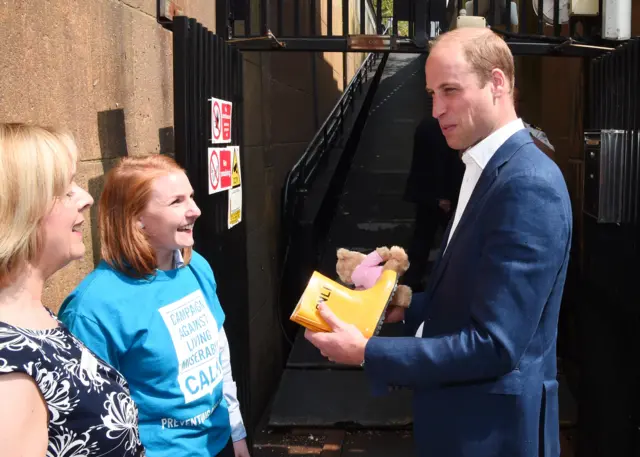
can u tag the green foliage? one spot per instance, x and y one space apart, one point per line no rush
387 8
387 12
403 28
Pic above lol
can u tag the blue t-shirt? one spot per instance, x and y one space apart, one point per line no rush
162 334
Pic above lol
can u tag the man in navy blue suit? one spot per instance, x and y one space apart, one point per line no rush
480 345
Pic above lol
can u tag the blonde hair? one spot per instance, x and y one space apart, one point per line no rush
484 50
127 191
36 165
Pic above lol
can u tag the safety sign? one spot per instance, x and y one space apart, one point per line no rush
235 206
235 168
219 169
220 121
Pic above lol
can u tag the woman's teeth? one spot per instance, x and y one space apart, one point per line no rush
185 228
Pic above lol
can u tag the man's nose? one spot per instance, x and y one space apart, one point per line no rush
438 108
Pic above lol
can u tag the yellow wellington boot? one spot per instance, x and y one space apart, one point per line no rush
363 308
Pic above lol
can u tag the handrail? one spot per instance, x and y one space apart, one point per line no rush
323 140
301 176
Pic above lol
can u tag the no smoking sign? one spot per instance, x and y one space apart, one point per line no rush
219 169
220 121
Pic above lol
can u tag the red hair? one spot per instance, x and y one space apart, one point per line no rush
127 191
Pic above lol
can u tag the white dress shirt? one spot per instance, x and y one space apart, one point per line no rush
475 160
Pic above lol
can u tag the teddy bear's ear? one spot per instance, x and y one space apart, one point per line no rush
398 251
342 253
383 252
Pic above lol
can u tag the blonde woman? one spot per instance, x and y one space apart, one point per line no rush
151 309
58 399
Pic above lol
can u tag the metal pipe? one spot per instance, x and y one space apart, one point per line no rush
247 17
264 16
616 19
345 18
312 17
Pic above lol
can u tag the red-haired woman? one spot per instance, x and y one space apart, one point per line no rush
150 308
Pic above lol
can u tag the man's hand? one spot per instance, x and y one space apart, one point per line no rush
240 448
344 344
394 314
445 205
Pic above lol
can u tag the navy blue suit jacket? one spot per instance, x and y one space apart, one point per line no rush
484 372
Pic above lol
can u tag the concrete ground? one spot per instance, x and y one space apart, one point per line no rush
341 443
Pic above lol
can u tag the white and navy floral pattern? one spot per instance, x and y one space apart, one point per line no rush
91 412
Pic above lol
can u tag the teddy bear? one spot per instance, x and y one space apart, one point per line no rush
362 271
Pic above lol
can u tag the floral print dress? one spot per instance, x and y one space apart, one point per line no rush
91 412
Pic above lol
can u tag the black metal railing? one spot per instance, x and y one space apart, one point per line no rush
612 143
611 176
204 66
613 89
300 178
325 25
300 18
312 187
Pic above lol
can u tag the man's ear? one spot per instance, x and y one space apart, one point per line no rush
499 84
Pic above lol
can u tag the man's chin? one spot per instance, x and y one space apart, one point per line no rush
455 144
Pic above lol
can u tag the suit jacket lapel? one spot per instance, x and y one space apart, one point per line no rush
487 178
438 261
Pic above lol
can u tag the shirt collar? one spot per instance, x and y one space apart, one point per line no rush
178 260
482 152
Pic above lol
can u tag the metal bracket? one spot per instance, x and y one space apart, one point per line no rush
571 43
166 10
371 42
269 36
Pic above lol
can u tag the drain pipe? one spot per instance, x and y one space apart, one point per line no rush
345 83
314 95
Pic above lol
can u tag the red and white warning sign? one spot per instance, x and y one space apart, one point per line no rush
219 160
220 121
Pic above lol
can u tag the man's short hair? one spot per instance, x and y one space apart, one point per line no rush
485 51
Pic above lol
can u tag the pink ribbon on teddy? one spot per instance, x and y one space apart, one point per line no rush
366 274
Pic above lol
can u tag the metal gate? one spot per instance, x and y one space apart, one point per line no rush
615 119
612 169
281 26
204 66
609 315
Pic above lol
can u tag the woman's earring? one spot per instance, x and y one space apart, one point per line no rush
140 224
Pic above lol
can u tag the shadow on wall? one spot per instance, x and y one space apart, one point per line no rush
300 100
166 141
283 112
113 146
